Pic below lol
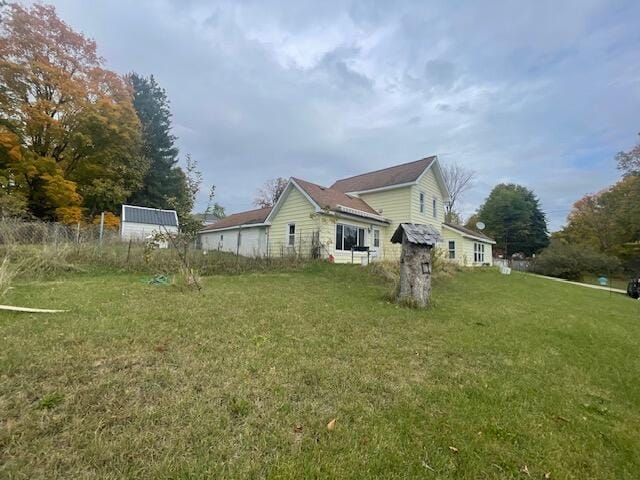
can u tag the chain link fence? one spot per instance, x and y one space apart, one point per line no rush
16 232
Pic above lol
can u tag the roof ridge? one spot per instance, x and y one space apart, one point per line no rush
312 183
252 210
464 229
149 208
386 168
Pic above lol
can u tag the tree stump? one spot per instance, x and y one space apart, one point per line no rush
415 261
415 274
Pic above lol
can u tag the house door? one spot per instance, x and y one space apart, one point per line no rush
376 244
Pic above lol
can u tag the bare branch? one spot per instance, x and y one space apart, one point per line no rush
268 195
458 180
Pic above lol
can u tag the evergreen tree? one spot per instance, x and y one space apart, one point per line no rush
164 180
513 217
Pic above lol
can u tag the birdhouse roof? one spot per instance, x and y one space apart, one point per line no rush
417 234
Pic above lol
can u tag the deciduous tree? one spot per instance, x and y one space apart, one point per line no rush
629 162
270 192
458 180
71 120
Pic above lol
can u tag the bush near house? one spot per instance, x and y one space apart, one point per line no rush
572 262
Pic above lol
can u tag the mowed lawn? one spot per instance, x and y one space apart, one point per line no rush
505 377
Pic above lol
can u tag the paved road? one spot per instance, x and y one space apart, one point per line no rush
595 287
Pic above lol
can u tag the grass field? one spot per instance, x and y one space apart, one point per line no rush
505 377
615 282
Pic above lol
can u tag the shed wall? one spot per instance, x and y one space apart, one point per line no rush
140 231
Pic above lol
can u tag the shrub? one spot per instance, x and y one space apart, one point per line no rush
571 261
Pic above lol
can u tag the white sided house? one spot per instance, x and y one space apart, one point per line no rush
467 247
140 223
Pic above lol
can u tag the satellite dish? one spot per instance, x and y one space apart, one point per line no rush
480 226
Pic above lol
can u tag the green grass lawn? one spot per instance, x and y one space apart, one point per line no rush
504 374
615 282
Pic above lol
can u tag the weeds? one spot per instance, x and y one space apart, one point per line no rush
50 401
45 261
8 272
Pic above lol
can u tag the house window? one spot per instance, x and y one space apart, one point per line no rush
435 207
291 234
478 252
376 238
452 249
348 236
421 202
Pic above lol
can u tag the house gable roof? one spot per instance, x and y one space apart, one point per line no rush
326 199
397 175
467 232
250 217
330 198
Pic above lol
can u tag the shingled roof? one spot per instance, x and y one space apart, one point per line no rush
242 218
405 173
469 232
332 199
416 233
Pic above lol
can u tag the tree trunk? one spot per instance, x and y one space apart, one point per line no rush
415 286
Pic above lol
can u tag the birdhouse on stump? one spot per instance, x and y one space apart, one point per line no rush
415 261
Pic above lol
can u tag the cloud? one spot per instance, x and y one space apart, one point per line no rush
540 93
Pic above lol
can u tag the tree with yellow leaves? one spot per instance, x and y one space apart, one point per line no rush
69 135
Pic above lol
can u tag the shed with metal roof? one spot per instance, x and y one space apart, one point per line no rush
140 223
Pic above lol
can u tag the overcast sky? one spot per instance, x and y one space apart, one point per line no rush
540 93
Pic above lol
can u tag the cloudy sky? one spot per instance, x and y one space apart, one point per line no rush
540 93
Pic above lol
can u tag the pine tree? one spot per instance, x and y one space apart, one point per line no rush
164 180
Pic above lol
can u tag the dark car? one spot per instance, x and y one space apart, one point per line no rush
633 289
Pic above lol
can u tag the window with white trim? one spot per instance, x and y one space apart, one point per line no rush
376 238
478 252
421 197
452 249
435 207
348 236
291 234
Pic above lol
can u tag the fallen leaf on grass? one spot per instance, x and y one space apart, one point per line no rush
454 449
331 426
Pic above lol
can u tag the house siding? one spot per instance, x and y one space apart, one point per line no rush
464 249
395 206
295 208
430 187
253 241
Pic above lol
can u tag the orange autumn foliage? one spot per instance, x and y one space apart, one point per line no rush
70 136
111 221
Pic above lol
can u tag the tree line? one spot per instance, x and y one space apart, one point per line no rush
77 139
608 222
